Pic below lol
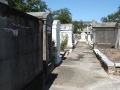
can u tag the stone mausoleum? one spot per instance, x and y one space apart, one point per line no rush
105 35
48 62
56 38
67 29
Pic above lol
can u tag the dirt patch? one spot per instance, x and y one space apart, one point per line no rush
95 61
100 77
75 57
80 56
112 54
87 52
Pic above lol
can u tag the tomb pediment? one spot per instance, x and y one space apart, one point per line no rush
105 25
66 27
47 16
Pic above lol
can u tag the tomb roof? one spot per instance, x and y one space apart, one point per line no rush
56 22
41 15
67 27
105 24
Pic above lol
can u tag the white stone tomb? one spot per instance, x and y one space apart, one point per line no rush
56 38
83 37
67 29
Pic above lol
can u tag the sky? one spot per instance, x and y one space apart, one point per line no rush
86 10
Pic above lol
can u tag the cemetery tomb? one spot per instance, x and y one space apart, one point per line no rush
47 40
56 39
75 39
119 35
67 30
83 37
21 60
105 35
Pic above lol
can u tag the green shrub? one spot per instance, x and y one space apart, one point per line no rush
64 42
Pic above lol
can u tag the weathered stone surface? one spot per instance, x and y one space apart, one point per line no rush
118 25
105 35
83 37
56 39
47 39
21 59
67 29
105 24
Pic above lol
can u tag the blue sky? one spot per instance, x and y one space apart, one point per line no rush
86 10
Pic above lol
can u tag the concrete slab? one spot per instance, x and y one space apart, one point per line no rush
84 73
77 78
89 60
88 55
103 58
117 64
73 56
69 62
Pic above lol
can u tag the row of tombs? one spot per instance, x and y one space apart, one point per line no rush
26 57
103 35
104 39
26 45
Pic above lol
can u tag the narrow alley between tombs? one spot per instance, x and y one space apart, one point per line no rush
81 70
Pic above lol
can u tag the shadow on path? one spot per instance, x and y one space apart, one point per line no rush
51 78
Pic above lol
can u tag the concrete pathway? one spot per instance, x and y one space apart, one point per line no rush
81 71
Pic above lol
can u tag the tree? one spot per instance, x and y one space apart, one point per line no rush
78 26
114 17
28 5
64 15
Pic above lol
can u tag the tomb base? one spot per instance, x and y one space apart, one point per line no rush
82 40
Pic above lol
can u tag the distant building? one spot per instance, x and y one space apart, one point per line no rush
88 28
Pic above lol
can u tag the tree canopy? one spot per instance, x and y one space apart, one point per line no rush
28 5
78 26
64 15
114 17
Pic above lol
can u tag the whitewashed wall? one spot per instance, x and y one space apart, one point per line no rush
83 37
67 29
56 38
